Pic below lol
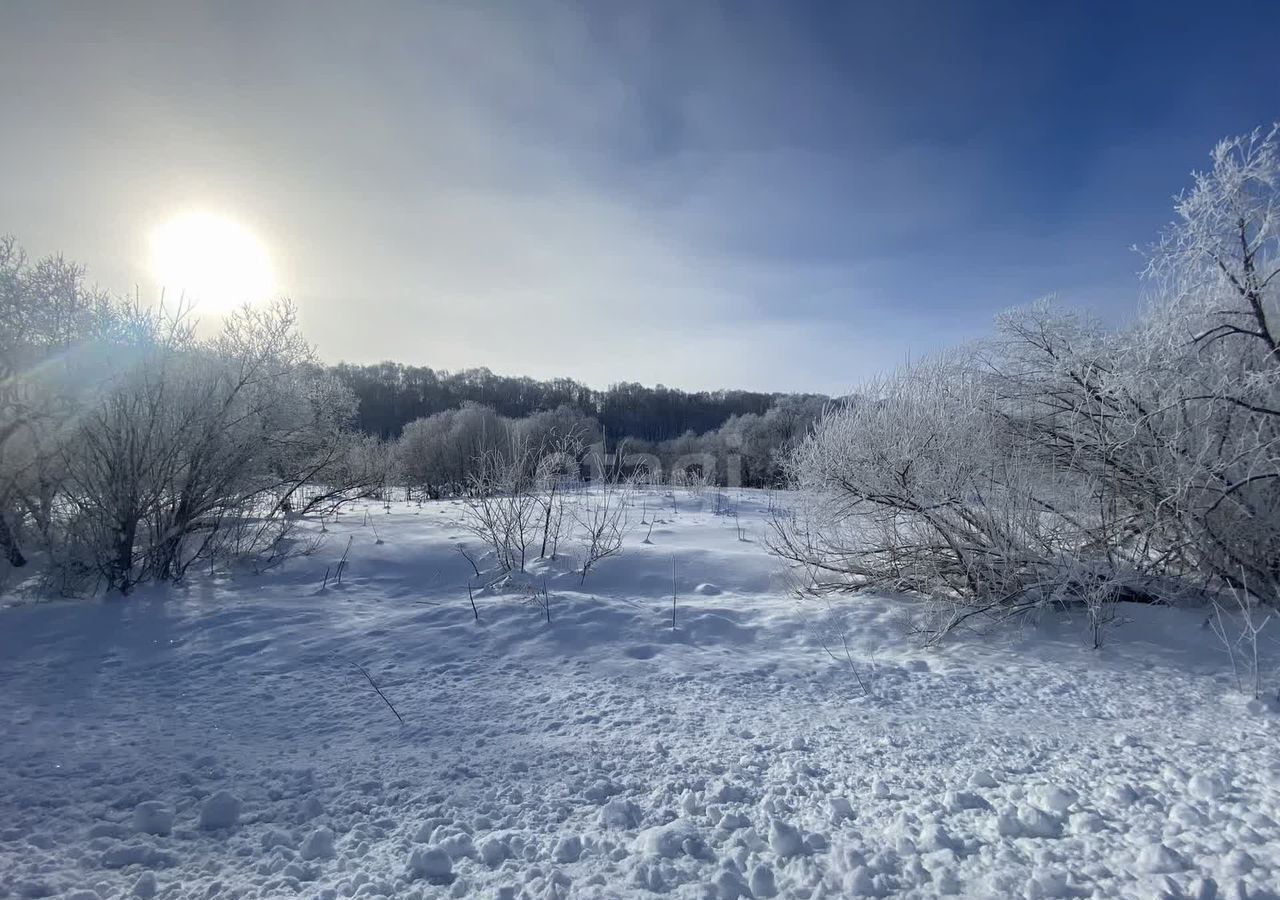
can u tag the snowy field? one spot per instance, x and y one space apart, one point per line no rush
220 740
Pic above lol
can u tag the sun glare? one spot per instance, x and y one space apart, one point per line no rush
211 260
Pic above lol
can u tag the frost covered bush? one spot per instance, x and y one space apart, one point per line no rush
527 498
55 335
503 506
921 486
130 448
437 455
191 438
601 522
1063 462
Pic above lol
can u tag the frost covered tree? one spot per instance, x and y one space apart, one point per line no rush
1062 462
921 487
54 339
438 454
192 437
503 506
1211 348
131 448
601 517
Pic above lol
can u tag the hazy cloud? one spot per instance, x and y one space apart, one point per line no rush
778 196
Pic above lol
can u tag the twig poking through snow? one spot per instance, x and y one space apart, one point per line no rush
467 556
838 625
342 563
366 674
673 593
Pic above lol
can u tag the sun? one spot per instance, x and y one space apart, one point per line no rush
211 260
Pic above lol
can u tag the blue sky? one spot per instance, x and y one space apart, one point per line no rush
783 195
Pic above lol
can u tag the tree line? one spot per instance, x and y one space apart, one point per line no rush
438 455
391 395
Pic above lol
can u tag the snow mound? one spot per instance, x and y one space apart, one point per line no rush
152 817
222 810
431 863
679 838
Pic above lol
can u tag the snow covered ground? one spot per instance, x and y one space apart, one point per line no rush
219 740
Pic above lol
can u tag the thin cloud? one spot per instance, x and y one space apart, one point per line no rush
758 195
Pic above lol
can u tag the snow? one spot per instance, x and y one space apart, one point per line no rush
145 886
152 817
217 739
679 838
317 845
1158 858
567 849
222 810
620 815
785 840
431 863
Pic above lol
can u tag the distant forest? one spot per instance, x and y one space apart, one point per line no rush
392 395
